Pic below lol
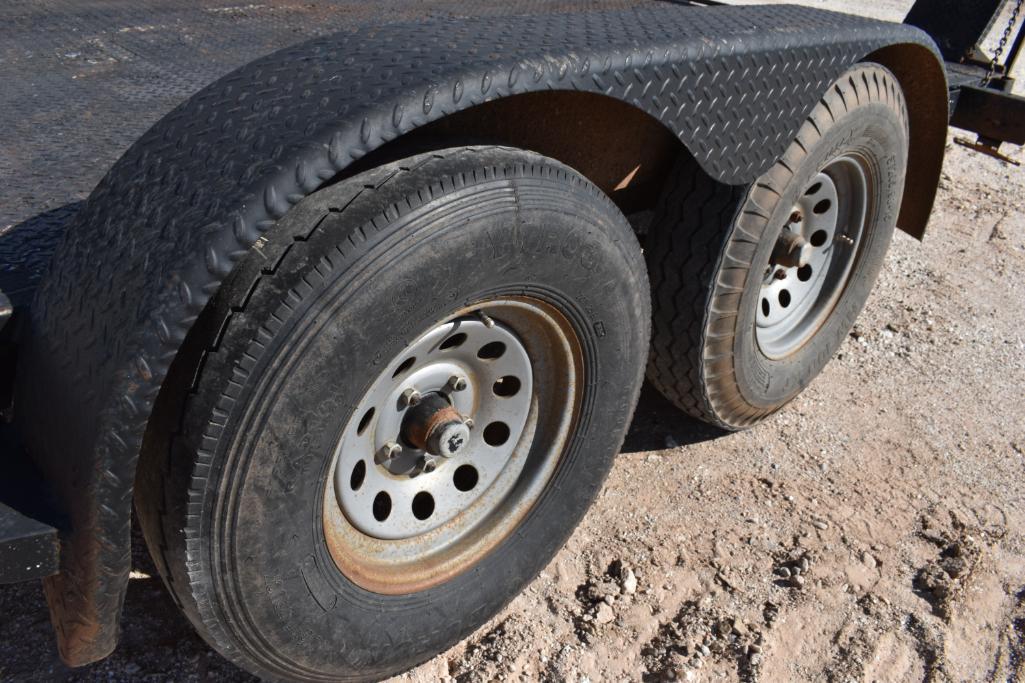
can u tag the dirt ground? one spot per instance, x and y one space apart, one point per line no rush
872 531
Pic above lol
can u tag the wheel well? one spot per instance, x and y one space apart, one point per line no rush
924 83
623 150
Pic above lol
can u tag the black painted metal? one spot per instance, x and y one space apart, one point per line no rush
28 548
959 75
1011 58
156 237
957 26
994 115
977 104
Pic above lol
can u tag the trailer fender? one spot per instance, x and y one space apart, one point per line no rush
924 82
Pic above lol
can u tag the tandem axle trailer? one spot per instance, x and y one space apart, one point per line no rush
357 328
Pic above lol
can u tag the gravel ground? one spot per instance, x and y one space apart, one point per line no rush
873 530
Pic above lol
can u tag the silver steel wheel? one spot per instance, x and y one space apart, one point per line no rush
813 257
451 444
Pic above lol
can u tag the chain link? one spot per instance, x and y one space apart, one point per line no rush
1003 42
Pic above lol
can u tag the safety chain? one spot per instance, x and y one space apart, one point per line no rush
1003 42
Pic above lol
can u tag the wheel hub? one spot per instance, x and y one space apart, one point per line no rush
792 249
436 427
439 426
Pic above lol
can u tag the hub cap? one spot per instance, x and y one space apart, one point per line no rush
813 258
451 445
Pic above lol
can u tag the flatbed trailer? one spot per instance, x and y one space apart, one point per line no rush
343 324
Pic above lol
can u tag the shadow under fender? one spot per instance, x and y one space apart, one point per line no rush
169 221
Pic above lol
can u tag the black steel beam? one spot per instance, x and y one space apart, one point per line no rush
993 114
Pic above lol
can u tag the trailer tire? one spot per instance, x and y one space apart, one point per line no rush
468 264
742 320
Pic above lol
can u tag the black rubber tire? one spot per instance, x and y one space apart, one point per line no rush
232 515
706 240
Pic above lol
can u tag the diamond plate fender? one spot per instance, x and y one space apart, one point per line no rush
160 232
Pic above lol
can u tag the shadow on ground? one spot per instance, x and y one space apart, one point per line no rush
658 424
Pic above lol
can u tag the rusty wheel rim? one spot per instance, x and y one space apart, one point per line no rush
406 509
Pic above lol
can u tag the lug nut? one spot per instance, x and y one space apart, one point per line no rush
410 397
468 422
455 383
428 464
796 217
388 451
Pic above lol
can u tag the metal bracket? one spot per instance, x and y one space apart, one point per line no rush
994 116
985 146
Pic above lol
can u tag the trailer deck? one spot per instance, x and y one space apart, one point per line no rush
81 81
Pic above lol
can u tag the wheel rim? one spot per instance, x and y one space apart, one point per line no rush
813 258
451 445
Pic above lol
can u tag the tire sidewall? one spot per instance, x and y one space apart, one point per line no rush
269 569
876 135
